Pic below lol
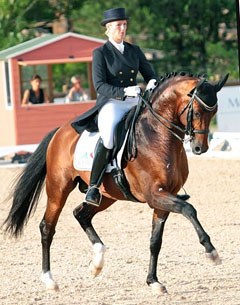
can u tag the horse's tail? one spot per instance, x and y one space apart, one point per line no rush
27 189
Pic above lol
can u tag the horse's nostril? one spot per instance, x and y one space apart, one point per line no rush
197 150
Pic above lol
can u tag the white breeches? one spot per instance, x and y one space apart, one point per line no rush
111 114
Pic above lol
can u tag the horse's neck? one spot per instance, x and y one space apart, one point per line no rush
166 101
153 132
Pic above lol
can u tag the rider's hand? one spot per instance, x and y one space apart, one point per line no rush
151 85
132 91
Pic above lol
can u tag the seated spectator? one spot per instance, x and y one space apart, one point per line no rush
35 95
76 93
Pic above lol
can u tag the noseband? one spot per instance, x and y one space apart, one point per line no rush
188 130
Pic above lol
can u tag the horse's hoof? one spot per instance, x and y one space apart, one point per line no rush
95 271
50 284
158 288
97 262
52 287
214 257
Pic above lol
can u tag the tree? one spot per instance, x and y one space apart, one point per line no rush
18 19
12 20
193 35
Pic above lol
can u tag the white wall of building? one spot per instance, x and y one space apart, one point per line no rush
228 115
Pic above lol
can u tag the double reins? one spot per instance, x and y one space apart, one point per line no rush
188 130
163 120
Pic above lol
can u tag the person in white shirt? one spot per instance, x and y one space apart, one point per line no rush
76 93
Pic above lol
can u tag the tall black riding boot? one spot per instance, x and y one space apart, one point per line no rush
100 162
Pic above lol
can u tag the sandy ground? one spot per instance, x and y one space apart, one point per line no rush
125 229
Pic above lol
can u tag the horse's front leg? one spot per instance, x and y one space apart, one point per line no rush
170 203
84 214
158 223
211 253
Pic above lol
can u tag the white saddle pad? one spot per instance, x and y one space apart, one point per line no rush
84 152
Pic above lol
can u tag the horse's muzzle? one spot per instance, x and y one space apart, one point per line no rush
198 148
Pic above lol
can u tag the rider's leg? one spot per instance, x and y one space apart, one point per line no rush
109 116
100 161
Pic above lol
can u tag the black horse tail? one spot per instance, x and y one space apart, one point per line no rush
27 189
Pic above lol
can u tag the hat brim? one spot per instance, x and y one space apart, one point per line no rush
105 21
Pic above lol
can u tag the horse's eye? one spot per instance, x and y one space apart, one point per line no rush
197 115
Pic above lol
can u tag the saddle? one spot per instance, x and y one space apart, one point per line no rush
123 136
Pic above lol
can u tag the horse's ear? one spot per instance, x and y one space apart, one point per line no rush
199 85
221 83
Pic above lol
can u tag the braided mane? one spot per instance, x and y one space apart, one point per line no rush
164 80
168 76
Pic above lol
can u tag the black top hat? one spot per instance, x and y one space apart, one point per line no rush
114 14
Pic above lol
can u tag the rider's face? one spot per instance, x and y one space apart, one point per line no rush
117 30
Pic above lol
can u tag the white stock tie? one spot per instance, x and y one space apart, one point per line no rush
121 48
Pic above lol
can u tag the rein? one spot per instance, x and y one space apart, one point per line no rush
188 130
160 119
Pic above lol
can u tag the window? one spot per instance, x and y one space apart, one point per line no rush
28 71
56 78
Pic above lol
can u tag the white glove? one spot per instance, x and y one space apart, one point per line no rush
132 91
151 85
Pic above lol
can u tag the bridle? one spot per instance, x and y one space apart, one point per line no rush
188 130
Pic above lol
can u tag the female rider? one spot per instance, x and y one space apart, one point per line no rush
115 68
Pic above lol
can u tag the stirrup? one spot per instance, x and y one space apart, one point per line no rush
93 196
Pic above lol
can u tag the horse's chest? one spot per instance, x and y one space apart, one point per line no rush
173 174
170 169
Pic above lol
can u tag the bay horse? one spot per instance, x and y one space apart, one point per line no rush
181 105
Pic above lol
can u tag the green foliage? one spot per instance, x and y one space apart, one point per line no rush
186 31
62 74
19 18
12 21
192 35
222 59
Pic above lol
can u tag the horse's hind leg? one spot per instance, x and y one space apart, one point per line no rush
158 223
84 214
57 196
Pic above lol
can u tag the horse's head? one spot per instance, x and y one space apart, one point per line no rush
198 112
184 105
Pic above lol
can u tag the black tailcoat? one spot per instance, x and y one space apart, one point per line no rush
112 72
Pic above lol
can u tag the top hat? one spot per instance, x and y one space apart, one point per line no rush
114 14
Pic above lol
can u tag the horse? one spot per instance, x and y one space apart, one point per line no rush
180 108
